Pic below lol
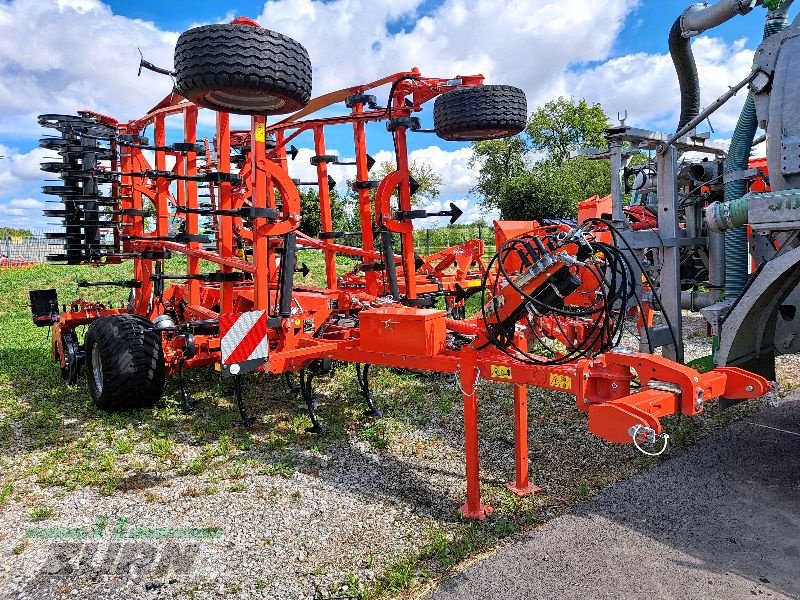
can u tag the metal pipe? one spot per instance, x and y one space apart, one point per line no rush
618 214
716 259
710 110
389 264
695 300
701 17
287 273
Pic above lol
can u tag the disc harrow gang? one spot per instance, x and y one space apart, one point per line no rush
553 300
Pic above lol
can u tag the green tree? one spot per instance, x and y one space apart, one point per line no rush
531 176
565 125
429 189
309 205
14 232
429 180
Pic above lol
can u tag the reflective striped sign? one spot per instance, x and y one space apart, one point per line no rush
244 337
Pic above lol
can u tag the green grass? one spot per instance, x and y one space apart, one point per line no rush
5 493
41 513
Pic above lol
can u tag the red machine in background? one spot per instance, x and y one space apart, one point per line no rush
554 300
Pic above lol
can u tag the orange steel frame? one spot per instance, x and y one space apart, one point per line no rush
602 385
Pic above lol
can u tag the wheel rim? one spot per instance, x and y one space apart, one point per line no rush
248 100
97 368
482 134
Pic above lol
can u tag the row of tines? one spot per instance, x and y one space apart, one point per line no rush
86 214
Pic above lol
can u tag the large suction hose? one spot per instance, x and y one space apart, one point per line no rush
680 48
736 247
695 20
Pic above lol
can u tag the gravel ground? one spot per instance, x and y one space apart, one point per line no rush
294 516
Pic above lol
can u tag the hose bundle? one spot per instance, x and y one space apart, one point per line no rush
602 317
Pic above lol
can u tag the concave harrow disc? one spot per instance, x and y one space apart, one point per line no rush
62 190
55 143
81 124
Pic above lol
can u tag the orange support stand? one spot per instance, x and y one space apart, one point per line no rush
472 509
521 485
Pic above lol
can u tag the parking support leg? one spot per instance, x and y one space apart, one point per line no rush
472 509
521 486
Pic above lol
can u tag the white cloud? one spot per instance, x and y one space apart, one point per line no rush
16 212
646 85
514 42
68 55
20 169
452 166
26 203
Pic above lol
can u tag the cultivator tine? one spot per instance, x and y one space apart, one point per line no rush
245 421
362 374
306 379
331 183
290 384
187 404
145 64
131 284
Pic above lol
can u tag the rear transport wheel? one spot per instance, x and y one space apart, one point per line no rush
484 112
242 69
124 363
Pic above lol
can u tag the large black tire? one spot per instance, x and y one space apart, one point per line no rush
242 69
485 112
124 363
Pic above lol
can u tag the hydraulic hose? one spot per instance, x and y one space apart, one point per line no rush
734 211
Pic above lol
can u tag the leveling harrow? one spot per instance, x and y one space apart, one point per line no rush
554 300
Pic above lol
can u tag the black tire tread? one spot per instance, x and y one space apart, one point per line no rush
488 108
133 363
218 57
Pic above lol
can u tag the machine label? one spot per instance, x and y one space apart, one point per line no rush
500 372
562 382
260 132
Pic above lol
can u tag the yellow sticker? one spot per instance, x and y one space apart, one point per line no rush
500 372
260 132
562 382
472 283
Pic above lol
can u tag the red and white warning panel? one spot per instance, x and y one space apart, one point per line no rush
244 341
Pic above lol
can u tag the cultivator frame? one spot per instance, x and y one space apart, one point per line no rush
250 315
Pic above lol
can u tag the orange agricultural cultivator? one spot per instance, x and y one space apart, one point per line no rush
553 301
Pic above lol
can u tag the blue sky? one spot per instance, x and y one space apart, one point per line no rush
67 55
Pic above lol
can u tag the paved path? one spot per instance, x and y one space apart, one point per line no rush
721 521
